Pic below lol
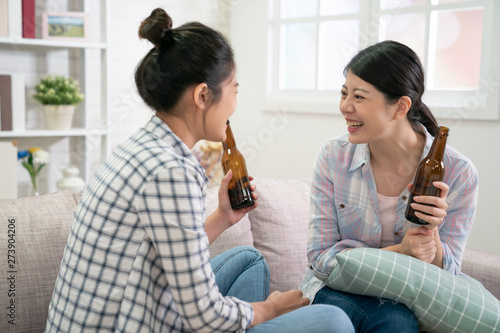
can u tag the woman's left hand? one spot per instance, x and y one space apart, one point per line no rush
433 207
224 216
233 216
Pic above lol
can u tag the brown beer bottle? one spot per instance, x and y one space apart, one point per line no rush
239 190
430 169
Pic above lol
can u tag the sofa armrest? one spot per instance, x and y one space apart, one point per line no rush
35 230
484 267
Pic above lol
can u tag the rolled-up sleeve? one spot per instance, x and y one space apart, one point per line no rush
462 202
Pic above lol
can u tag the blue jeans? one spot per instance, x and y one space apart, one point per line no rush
370 314
243 272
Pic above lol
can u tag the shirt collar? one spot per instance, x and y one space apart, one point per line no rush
162 131
361 156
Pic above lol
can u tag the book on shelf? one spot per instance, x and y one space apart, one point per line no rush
12 103
15 12
8 170
5 103
4 18
29 22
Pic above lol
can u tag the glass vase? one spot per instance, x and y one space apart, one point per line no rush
34 187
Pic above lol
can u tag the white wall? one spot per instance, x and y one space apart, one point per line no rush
285 145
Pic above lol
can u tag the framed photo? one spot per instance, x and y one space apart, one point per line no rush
68 26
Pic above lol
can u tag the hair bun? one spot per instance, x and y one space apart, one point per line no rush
154 27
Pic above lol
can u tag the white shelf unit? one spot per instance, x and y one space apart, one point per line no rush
87 142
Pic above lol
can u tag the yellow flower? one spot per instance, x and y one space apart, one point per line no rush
34 149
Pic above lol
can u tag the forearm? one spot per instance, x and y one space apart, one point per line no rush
215 224
262 311
394 248
438 259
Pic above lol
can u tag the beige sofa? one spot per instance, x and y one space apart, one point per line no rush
35 231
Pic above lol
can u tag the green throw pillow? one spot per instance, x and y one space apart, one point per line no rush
441 301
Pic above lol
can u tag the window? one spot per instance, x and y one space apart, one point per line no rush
456 40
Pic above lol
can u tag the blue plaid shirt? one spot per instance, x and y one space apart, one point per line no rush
345 215
137 257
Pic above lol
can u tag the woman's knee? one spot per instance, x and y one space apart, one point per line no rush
249 255
398 317
240 256
370 314
329 318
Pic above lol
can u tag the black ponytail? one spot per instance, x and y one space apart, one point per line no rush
420 113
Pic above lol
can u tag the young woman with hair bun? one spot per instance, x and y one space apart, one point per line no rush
137 258
361 182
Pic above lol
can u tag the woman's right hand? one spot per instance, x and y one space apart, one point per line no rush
276 304
419 242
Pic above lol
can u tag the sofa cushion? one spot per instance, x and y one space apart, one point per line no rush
35 231
441 301
484 267
238 234
279 228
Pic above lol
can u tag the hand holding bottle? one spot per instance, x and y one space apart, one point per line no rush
225 216
239 187
429 171
431 209
233 215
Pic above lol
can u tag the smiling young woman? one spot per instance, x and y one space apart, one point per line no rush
361 185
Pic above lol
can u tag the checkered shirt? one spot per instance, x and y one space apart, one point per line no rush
137 257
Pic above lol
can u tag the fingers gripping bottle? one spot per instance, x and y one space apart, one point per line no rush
239 190
430 169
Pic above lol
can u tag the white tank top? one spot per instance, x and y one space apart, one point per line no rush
387 207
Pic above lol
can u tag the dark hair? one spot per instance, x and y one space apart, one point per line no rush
182 57
395 70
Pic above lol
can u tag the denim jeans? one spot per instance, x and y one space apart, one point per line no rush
243 272
370 314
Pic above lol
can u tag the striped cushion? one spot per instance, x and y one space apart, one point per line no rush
441 301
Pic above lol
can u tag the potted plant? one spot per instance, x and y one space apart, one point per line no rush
59 95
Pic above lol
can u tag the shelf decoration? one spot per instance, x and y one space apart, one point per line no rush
12 97
71 180
4 18
8 170
59 95
33 160
29 19
66 26
15 12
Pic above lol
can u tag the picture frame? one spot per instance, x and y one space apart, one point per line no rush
65 26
